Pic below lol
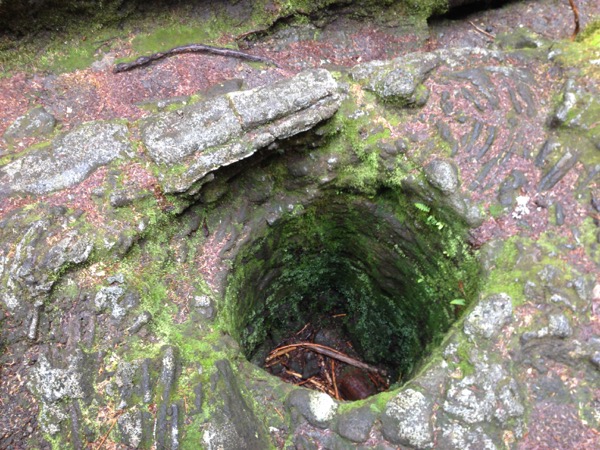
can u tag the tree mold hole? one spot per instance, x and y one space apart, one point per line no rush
349 295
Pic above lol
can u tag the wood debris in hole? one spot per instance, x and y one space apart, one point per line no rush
341 374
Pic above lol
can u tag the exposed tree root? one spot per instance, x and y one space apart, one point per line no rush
192 48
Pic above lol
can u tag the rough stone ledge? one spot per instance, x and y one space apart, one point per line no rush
190 143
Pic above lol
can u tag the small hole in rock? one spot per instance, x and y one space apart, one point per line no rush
348 296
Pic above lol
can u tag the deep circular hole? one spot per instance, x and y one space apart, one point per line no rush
348 295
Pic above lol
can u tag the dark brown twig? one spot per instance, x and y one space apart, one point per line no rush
485 33
323 350
191 48
575 17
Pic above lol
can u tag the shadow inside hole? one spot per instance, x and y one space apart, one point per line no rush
349 296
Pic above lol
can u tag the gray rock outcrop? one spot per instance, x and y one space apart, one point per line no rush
190 143
69 160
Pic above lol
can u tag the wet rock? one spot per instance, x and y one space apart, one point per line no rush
356 424
558 171
567 104
480 79
509 404
491 137
258 188
407 419
489 316
311 366
549 147
139 322
446 135
221 131
398 81
442 175
510 186
125 197
469 140
355 384
459 437
233 425
473 399
204 305
130 428
37 122
559 213
302 442
558 326
198 397
33 252
316 407
76 434
69 160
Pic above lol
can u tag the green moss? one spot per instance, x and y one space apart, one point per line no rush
506 273
330 252
465 365
591 33
427 8
496 210
174 33
580 54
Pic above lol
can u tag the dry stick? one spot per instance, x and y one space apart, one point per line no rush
198 48
303 328
278 412
337 394
320 386
325 372
485 33
576 18
110 429
323 350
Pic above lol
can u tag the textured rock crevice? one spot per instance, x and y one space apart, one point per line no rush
134 341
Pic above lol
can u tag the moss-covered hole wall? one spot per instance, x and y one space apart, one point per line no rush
388 264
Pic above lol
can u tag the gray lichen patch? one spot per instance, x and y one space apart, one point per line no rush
67 161
407 419
489 316
398 81
37 122
175 135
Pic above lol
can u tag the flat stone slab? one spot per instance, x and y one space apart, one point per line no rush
190 143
